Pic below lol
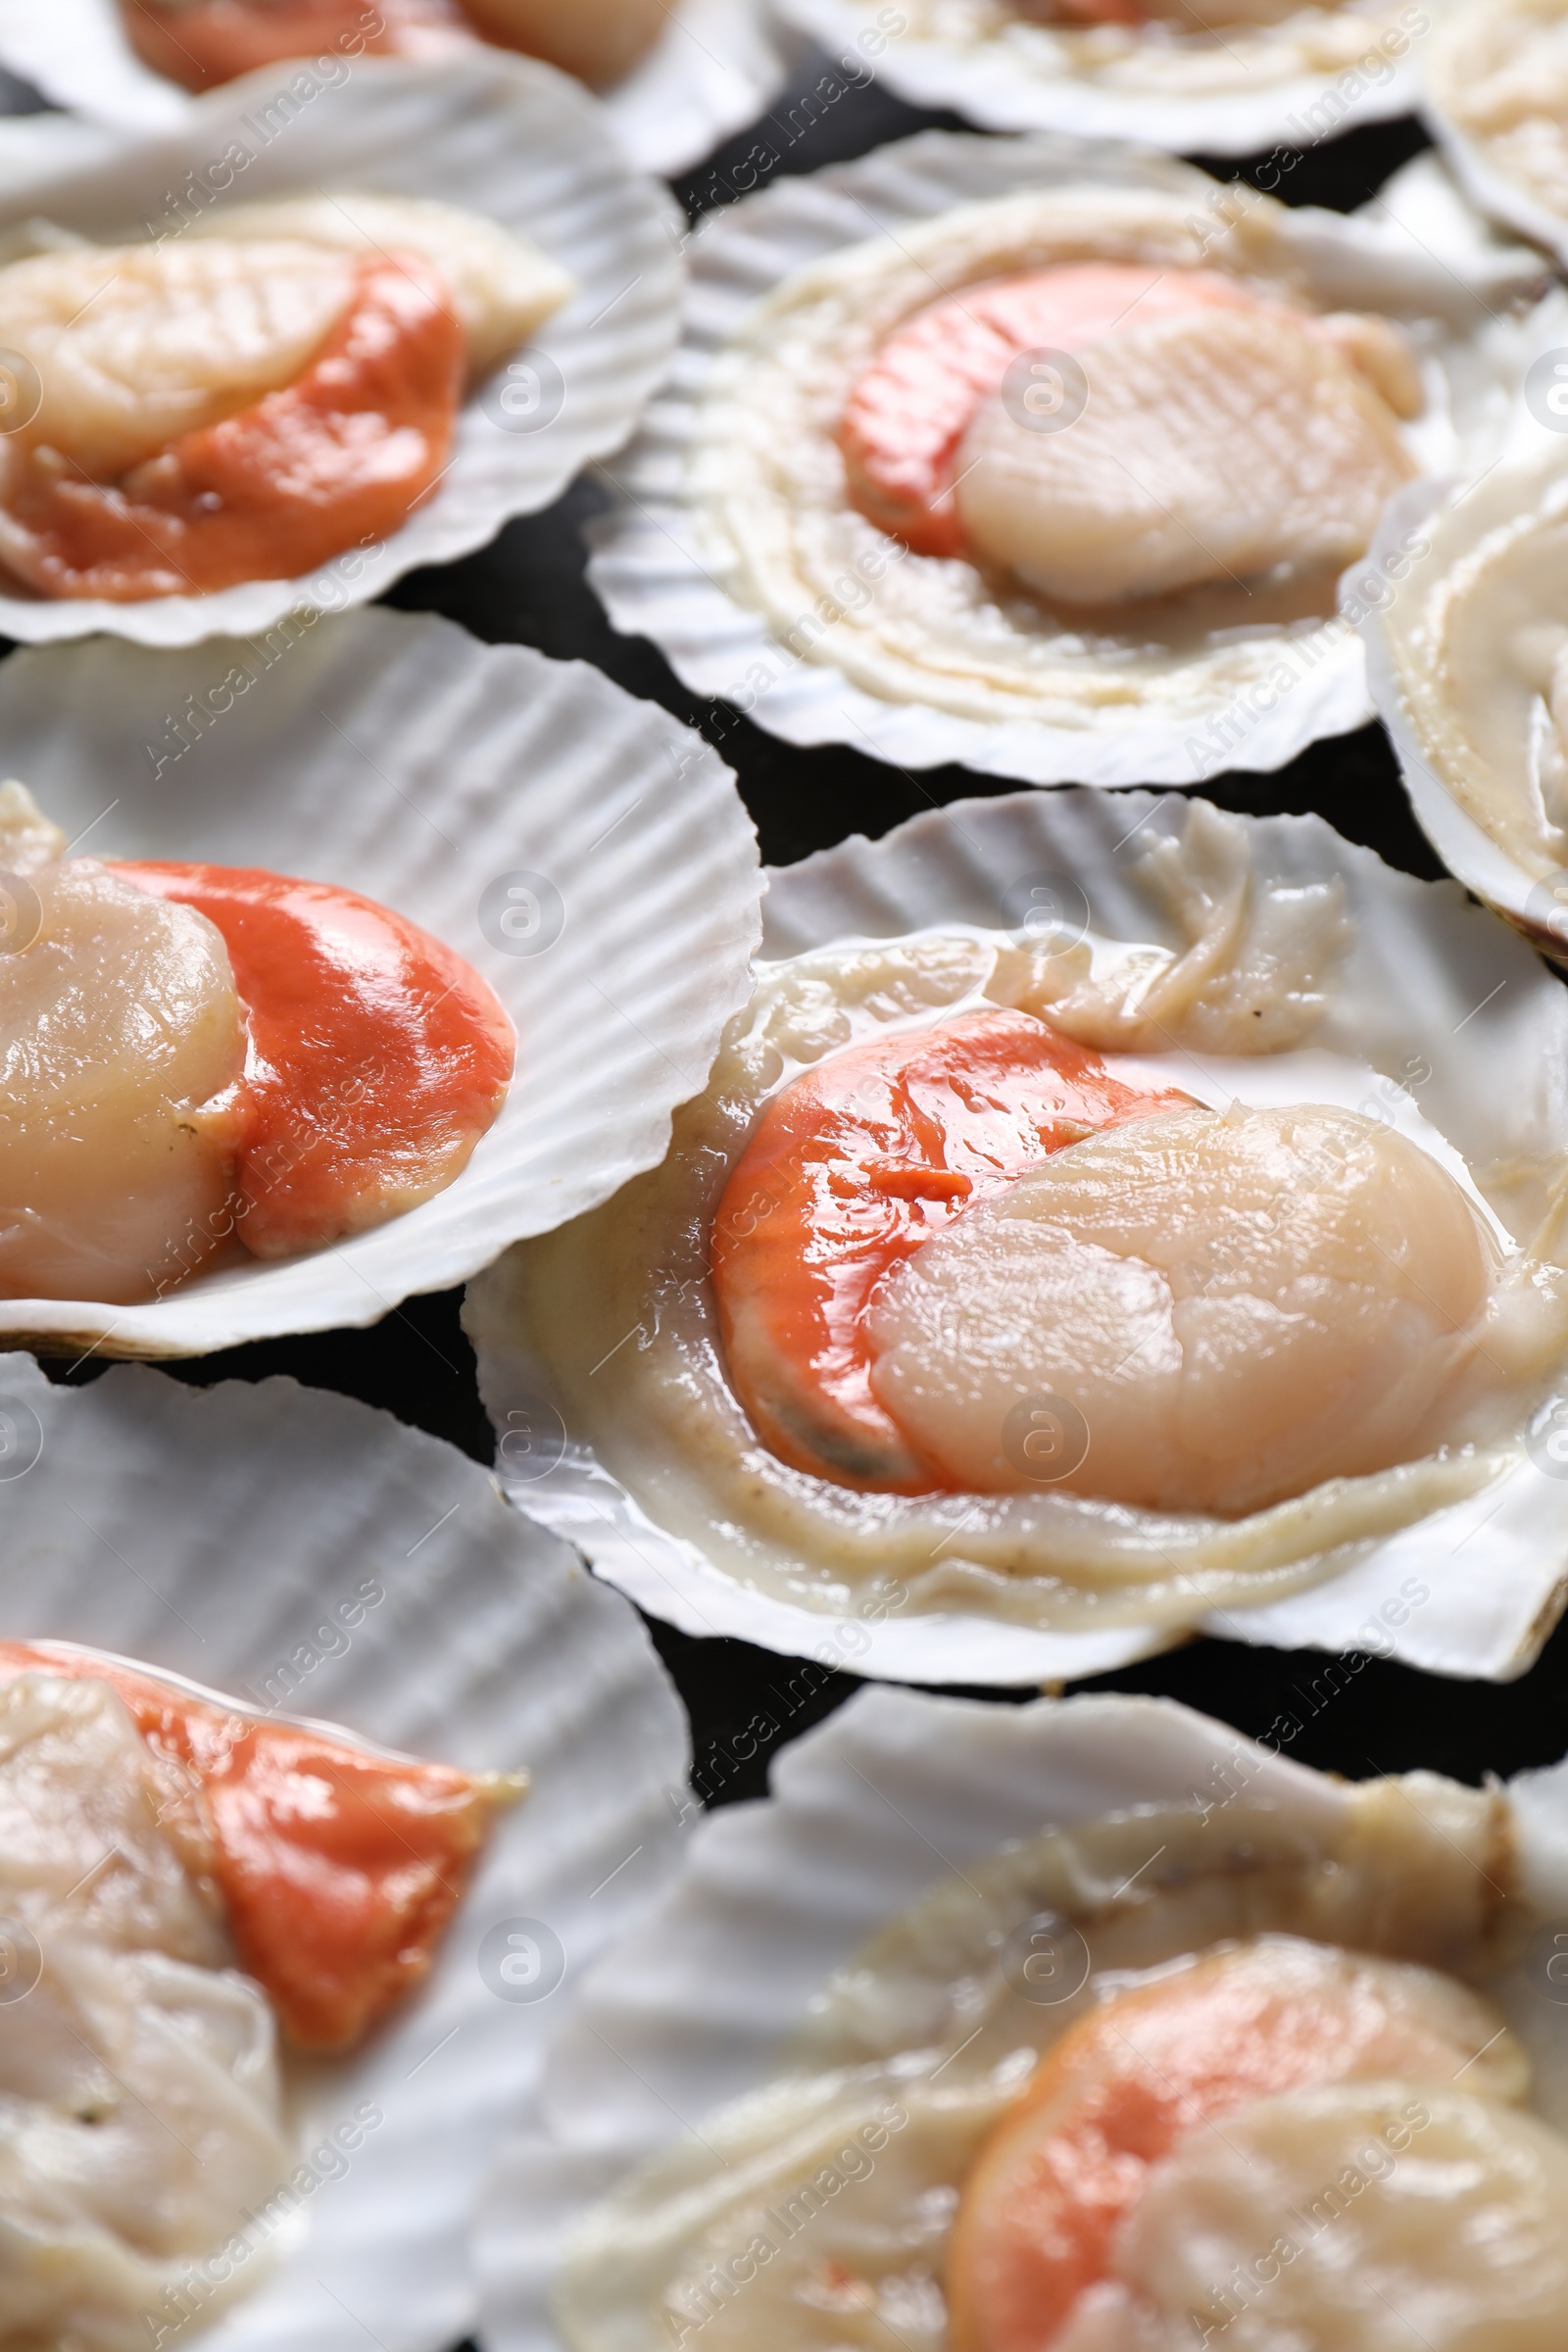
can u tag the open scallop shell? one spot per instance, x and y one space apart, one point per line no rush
716 67
212 1534
397 756
498 135
893 1793
1447 73
1424 532
1244 90
1417 253
1428 976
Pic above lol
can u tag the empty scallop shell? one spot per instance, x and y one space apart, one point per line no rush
1417 254
714 69
1515 169
212 1535
398 756
895 1792
1238 91
1429 984
500 136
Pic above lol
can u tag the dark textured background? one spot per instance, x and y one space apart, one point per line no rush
528 588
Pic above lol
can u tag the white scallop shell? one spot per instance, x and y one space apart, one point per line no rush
1392 585
716 66
209 1534
1428 976
395 755
1481 863
501 136
1023 79
36 146
1496 192
1417 250
896 1790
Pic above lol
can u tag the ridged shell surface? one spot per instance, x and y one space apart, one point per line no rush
396 756
715 67
1237 93
895 1792
1428 976
213 1534
500 135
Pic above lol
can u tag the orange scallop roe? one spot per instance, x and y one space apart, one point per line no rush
378 1056
338 1868
1042 2200
908 411
338 459
848 1170
213 41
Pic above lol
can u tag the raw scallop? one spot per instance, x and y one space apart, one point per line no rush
337 1867
1086 1978
1366 2217
1218 445
1158 2064
200 44
847 1171
140 2122
337 458
123 1035
1498 69
1236 1307
135 345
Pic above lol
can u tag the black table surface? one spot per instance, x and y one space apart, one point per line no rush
1357 1716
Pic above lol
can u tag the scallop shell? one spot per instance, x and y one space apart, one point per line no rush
500 134
1226 97
397 756
210 1533
1429 976
717 67
1498 192
1467 852
714 68
895 1790
33 146
1418 247
1403 572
